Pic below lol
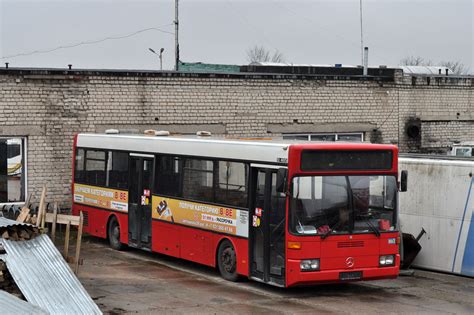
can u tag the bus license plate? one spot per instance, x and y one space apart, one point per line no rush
353 275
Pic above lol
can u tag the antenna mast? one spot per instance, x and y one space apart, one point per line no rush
176 41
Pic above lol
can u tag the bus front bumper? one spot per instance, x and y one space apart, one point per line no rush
297 277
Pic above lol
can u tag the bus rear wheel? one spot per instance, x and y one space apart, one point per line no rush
114 234
227 261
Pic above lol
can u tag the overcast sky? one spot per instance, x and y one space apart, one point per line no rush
220 31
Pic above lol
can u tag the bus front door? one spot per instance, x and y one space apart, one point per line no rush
139 207
267 228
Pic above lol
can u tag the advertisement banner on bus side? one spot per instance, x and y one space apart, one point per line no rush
204 216
111 199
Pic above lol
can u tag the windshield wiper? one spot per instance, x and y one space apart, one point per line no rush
351 199
372 227
326 234
323 236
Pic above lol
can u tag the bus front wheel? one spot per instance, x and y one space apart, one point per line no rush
227 261
114 234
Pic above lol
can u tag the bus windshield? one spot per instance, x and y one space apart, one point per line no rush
323 205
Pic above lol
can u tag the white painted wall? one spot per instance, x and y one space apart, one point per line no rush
437 199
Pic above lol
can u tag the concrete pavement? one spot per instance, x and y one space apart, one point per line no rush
134 281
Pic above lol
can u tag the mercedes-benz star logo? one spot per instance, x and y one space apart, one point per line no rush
350 262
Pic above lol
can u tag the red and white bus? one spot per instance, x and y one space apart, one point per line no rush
279 212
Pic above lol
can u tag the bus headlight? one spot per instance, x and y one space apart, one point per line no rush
387 260
309 265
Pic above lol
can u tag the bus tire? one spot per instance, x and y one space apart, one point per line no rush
113 234
227 261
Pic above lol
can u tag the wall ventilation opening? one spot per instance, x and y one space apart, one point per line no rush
413 128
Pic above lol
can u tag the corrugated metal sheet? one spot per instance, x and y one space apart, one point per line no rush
7 222
10 304
45 279
4 222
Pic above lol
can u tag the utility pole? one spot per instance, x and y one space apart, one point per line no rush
361 35
176 29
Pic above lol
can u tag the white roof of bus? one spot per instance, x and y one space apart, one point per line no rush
266 150
270 151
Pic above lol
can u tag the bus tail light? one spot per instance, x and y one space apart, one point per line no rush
309 265
294 245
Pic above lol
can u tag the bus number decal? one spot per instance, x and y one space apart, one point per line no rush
226 212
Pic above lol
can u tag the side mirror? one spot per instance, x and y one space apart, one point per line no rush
403 181
281 179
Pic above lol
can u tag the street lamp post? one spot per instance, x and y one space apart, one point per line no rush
160 55
161 58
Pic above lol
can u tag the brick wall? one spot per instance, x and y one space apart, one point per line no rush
442 134
50 107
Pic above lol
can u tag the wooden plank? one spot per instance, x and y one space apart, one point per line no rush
23 215
55 217
66 239
28 200
63 219
42 208
78 243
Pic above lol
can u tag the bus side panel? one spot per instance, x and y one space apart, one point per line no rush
182 242
195 245
165 238
242 249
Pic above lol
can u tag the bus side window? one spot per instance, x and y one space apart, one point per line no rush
117 170
79 172
95 167
168 172
198 180
232 186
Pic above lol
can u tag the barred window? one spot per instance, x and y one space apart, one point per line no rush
345 137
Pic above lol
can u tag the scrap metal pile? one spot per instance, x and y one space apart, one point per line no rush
34 276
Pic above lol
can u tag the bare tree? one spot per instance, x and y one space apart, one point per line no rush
261 54
415 61
456 67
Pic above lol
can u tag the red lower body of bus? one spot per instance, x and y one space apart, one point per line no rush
201 246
